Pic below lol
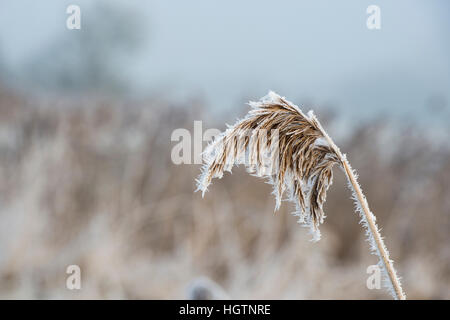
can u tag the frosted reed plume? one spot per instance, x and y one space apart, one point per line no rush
297 157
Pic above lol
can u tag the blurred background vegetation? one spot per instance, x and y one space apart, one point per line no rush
86 176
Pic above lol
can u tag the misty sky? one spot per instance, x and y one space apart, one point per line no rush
319 52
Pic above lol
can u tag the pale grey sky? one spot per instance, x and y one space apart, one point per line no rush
316 51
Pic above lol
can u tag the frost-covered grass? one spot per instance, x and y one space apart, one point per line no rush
298 164
90 182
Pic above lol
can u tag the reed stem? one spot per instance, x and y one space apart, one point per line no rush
370 218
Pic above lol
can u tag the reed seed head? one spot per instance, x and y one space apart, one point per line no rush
278 141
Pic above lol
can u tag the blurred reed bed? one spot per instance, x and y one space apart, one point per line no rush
90 182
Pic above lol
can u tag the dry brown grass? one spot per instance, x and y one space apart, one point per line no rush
91 183
301 161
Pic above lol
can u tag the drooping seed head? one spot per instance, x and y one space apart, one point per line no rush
278 141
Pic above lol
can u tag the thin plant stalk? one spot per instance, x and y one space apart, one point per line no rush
369 221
